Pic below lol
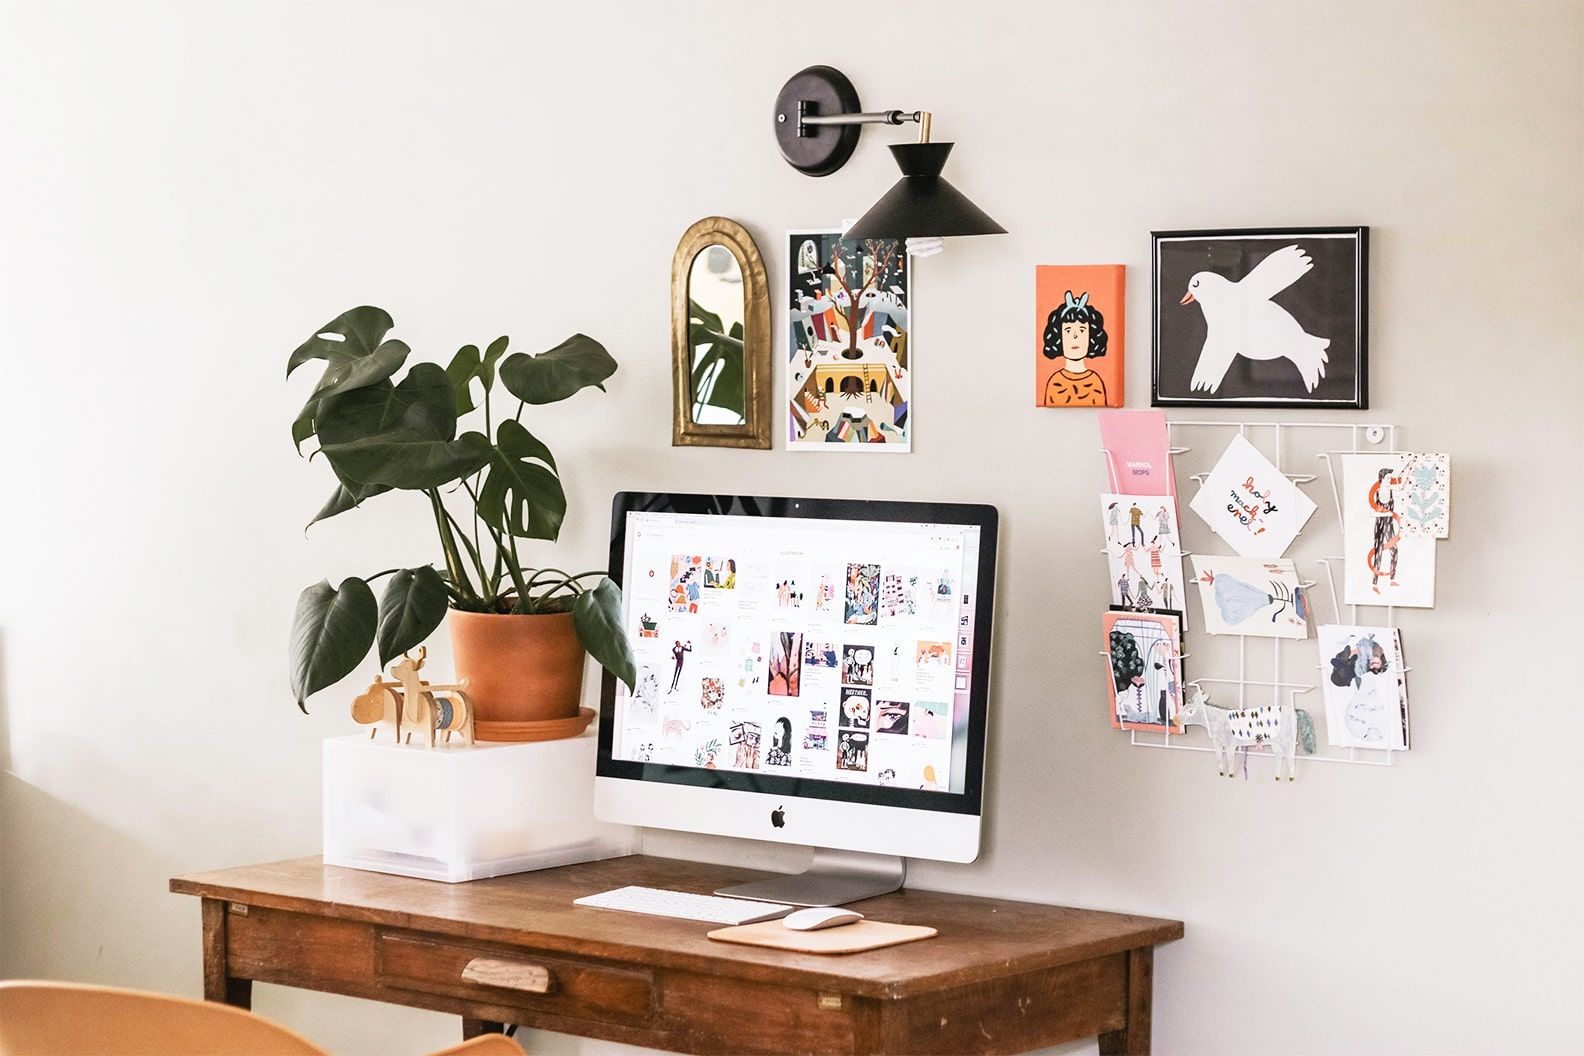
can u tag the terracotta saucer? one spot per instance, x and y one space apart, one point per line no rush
543 730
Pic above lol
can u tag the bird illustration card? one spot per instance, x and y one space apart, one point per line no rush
1261 318
1245 595
1384 564
849 378
1251 504
1143 551
1145 684
1078 317
1365 687
1427 495
1138 452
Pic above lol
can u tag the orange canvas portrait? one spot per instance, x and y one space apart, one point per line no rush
1078 315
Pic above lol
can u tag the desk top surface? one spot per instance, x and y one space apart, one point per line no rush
980 938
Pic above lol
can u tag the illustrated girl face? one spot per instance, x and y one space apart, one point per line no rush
1075 340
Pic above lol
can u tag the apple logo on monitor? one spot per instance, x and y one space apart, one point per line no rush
778 818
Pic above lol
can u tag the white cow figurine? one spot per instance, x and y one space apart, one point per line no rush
1282 726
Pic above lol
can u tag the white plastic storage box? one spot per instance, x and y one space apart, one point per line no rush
455 812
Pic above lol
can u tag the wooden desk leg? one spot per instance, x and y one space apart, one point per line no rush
1134 1038
472 1028
219 985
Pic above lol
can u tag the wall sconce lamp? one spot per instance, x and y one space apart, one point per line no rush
817 123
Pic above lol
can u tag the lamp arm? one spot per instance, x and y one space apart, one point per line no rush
868 117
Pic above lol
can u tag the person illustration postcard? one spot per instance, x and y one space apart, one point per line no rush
1385 565
1078 335
1143 551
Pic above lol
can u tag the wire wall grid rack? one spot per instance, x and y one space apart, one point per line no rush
1334 440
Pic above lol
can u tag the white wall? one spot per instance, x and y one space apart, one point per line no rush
187 188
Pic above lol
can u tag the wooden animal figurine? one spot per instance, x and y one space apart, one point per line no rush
379 704
434 708
1282 726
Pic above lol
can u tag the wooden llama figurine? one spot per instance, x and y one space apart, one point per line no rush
379 705
433 707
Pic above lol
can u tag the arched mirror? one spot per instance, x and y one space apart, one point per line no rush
720 338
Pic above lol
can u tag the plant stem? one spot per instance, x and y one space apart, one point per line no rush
448 545
473 552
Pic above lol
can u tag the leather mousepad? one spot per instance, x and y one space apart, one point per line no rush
848 938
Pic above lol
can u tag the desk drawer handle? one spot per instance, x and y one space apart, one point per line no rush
509 975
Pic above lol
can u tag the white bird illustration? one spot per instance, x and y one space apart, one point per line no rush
1241 320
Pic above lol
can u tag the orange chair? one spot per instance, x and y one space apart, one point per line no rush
70 1019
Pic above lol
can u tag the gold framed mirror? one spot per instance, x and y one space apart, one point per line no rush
720 338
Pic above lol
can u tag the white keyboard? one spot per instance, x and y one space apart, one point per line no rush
658 903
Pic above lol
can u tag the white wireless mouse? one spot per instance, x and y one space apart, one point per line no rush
821 917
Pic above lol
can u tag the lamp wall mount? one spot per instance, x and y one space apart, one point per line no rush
818 120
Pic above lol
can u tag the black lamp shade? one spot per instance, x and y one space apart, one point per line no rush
922 204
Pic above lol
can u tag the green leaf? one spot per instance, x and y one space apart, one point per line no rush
351 335
497 348
332 630
401 437
596 616
718 355
461 371
411 608
346 375
574 364
522 494
346 499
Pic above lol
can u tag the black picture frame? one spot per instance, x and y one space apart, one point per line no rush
1332 303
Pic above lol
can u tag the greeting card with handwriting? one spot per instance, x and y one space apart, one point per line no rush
1249 503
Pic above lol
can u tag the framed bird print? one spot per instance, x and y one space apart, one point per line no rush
1270 317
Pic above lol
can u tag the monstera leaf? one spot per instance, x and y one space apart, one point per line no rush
411 608
596 616
717 353
522 494
574 364
345 499
332 630
401 437
355 354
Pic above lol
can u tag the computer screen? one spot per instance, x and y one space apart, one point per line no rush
817 648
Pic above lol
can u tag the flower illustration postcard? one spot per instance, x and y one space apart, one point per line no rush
1146 680
1245 595
1427 495
1385 564
1366 691
1251 504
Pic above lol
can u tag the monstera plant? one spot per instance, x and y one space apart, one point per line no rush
487 489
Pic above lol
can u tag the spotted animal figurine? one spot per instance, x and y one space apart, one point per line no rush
1284 727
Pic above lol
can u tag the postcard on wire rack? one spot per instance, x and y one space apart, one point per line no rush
1143 550
1427 495
1245 595
1385 566
1138 451
1145 681
1366 687
1251 504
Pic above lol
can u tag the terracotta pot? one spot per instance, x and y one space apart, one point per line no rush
524 674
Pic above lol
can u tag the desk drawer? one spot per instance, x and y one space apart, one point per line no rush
515 978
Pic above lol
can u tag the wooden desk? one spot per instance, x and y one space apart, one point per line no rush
1000 977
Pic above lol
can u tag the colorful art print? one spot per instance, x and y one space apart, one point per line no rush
929 719
1137 448
1383 566
1143 550
898 595
814 740
1427 498
745 736
648 627
932 654
687 582
891 716
819 654
1366 689
855 707
707 753
858 665
712 693
788 596
720 573
848 382
1273 317
1145 666
1078 335
786 664
1250 503
1244 595
779 751
825 594
852 750
863 594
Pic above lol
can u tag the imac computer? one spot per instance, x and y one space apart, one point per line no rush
810 671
